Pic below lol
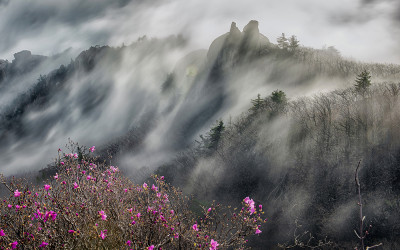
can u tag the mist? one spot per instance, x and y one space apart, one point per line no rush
46 28
149 84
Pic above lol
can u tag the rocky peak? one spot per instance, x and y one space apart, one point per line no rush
237 44
234 29
22 55
251 28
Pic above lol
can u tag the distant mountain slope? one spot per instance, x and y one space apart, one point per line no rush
106 93
293 147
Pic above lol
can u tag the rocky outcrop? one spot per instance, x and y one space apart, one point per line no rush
236 44
25 62
22 55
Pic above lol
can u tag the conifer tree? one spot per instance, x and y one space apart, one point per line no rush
293 43
258 104
276 102
363 81
283 42
278 97
215 135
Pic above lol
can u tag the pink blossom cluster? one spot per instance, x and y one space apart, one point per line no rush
88 203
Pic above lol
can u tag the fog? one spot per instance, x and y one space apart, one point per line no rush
364 30
172 68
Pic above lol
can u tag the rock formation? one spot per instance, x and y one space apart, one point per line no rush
235 43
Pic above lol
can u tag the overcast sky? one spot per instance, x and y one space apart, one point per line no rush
367 30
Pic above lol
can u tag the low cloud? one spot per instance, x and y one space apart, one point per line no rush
365 29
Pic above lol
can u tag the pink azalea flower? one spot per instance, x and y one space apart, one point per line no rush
251 204
17 207
17 193
53 215
162 178
214 244
176 236
172 212
44 244
145 185
258 231
76 185
71 231
14 245
62 163
260 207
88 177
56 176
138 215
209 209
103 234
9 206
92 149
154 188
2 233
75 155
195 228
151 247
103 215
125 190
47 187
129 243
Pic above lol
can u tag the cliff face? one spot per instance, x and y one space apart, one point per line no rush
23 63
236 44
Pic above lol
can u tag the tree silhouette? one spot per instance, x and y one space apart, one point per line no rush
283 42
293 43
258 104
363 81
278 97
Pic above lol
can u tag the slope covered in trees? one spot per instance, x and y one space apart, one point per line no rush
293 150
300 159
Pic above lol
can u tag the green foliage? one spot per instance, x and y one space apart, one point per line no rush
278 97
290 43
209 143
363 82
293 43
282 41
258 104
215 134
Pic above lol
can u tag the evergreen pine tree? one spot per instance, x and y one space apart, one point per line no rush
293 43
283 42
215 135
258 104
363 81
278 97
276 102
